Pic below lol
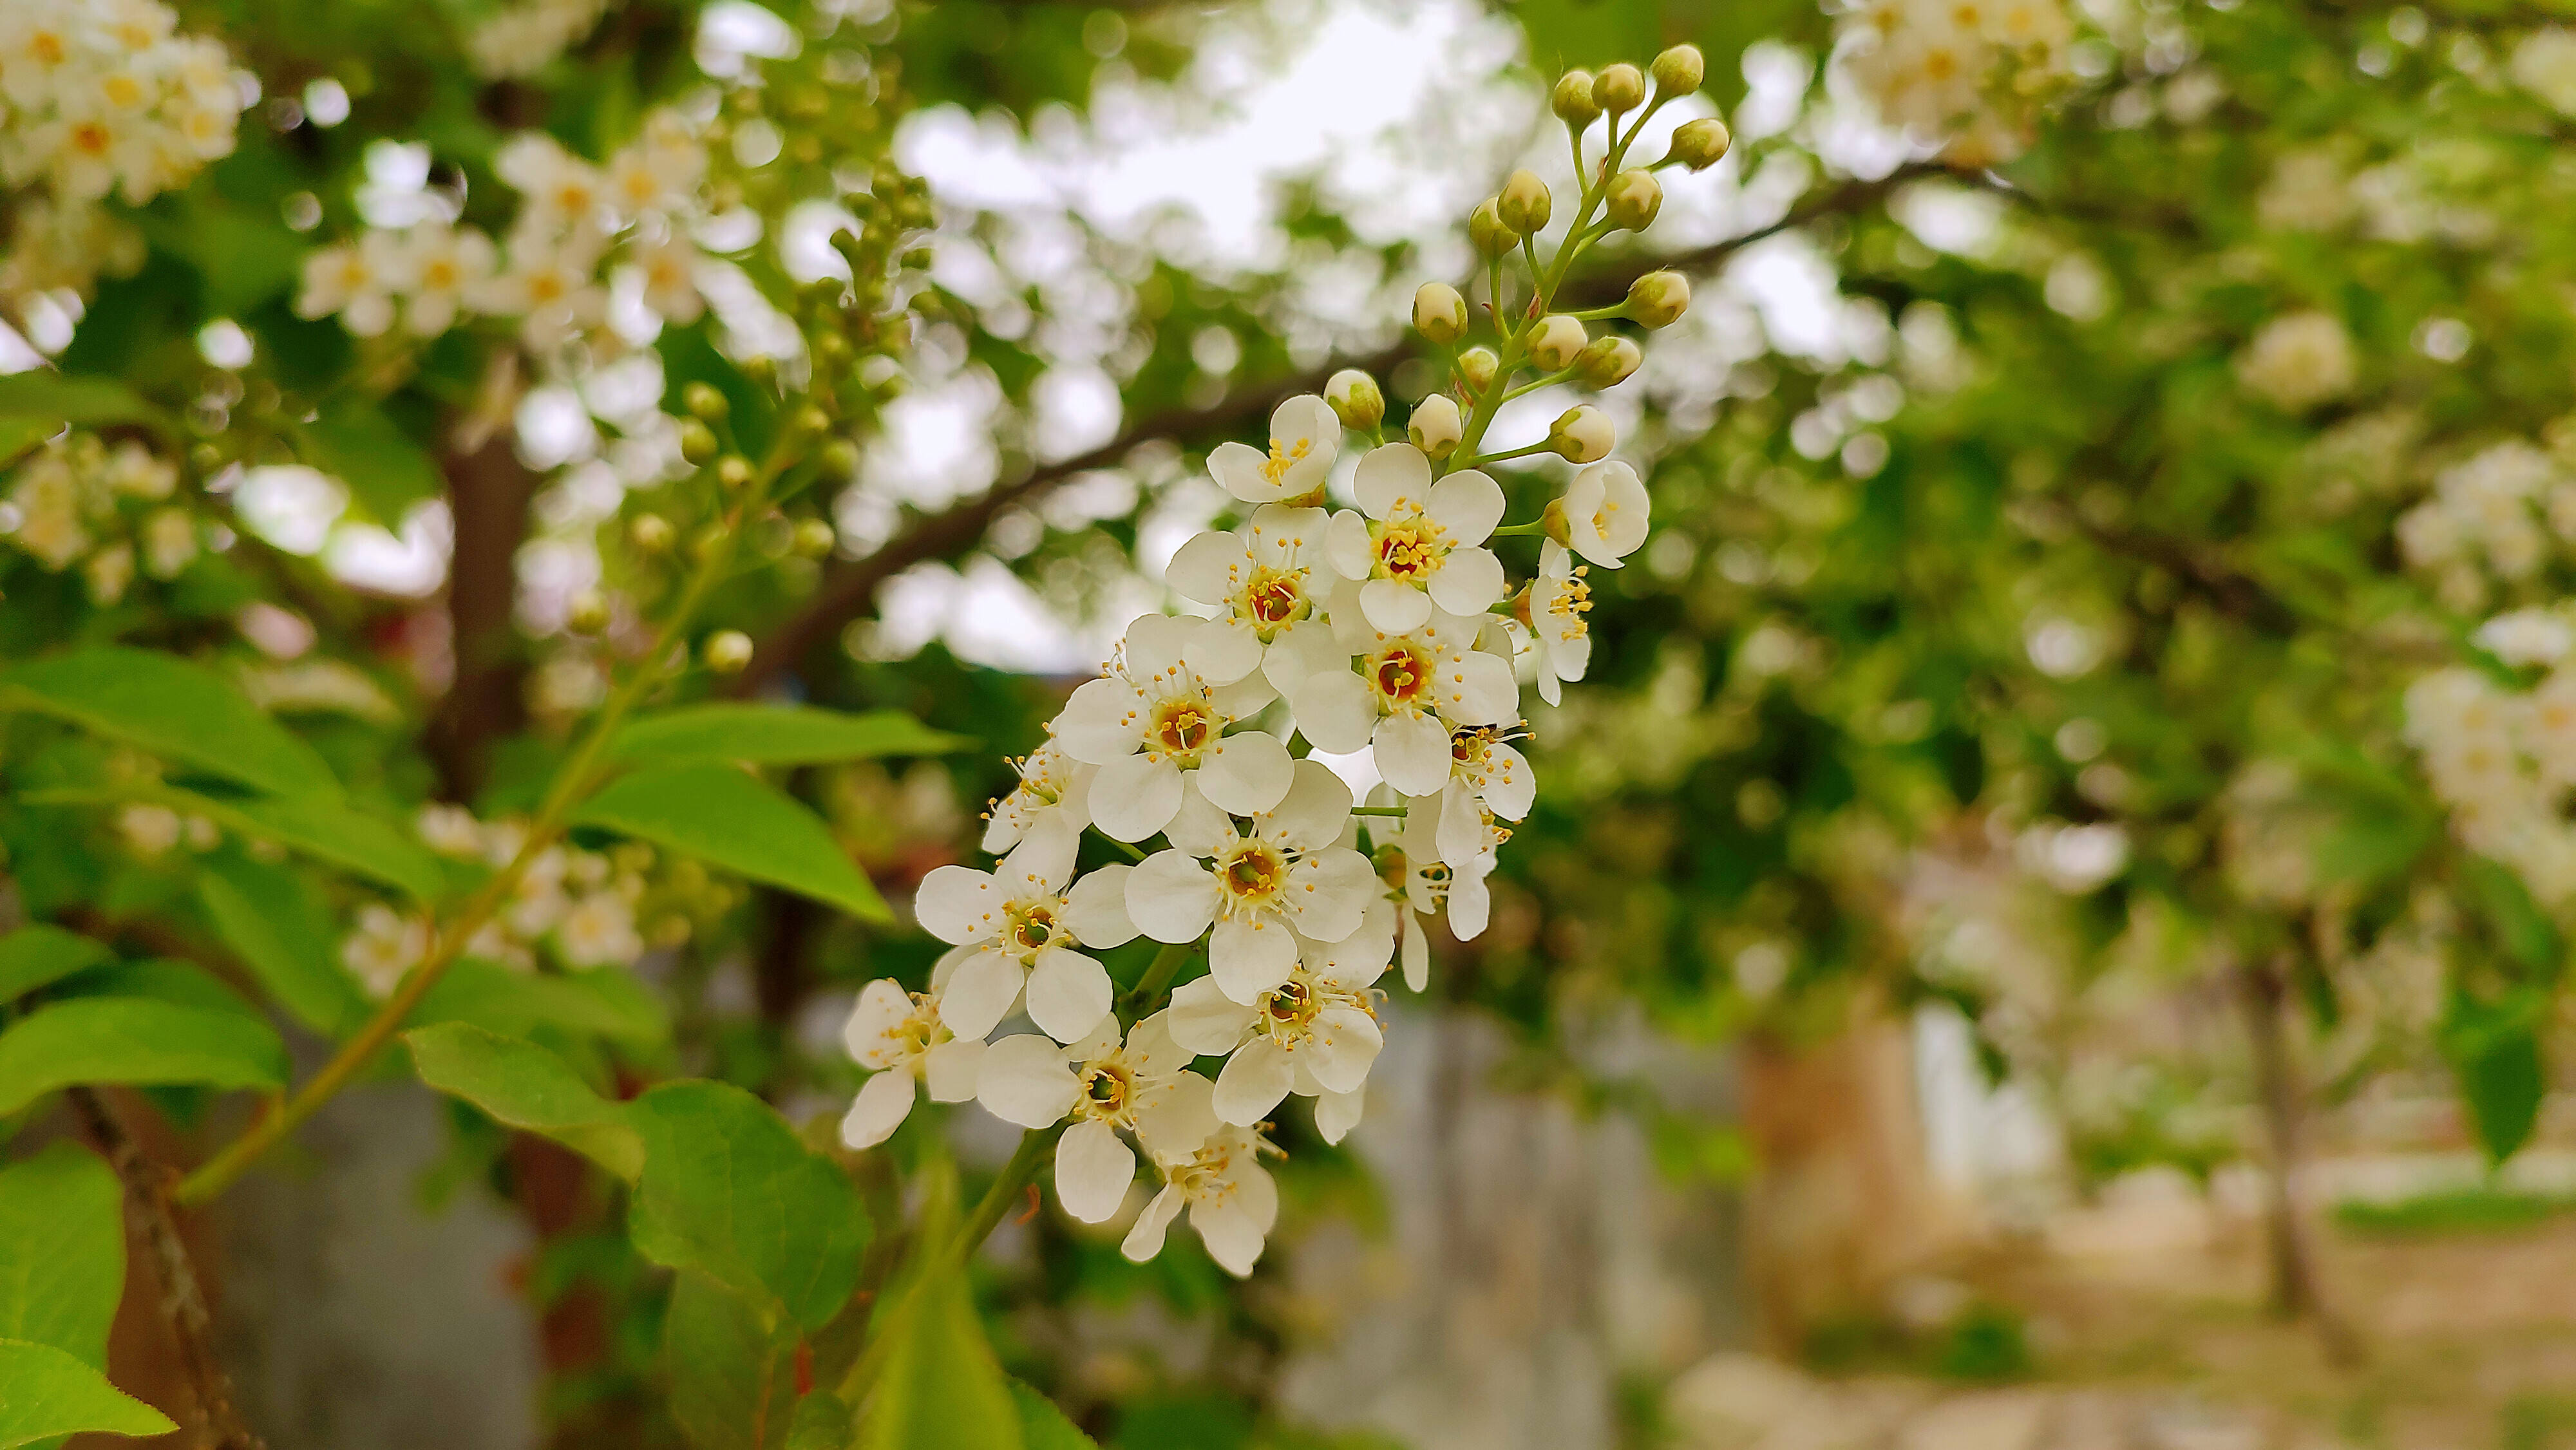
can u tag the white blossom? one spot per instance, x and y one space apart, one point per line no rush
1314 1032
1046 812
1263 886
1404 695
1230 1196
1156 722
1605 513
903 1039
1140 1086
1420 544
1305 437
1553 610
1023 927
1269 583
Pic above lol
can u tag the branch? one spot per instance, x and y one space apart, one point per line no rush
183 1301
849 591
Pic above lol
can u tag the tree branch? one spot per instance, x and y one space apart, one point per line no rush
183 1300
848 592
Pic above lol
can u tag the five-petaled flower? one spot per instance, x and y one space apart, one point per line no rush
1281 877
1156 722
1421 543
1141 1085
904 1039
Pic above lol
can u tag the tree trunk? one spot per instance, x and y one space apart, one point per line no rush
2297 1286
488 494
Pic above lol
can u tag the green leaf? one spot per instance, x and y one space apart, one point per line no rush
732 820
170 707
135 1040
161 980
822 1422
343 836
1045 1426
778 735
527 1087
269 918
606 1004
84 399
51 1393
62 1251
730 1190
2520 927
385 470
2494 1049
38 954
733 1372
940 1388
22 436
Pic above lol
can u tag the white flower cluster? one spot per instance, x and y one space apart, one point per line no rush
2494 511
581 907
2298 361
585 237
2505 761
107 509
526 38
1381 630
1969 74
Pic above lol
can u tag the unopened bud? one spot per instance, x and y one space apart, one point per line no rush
1582 435
1436 425
1634 197
1658 299
733 470
1524 205
1486 232
1608 362
589 612
1572 100
649 533
1619 88
727 651
1560 339
1355 399
1679 71
704 400
1699 144
1439 313
812 419
697 442
814 539
840 458
1476 367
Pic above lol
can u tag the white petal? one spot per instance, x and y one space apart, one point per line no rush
1345 1043
1155 643
1103 720
884 1101
1236 467
944 971
1463 838
958 905
1417 953
1134 796
1329 891
1145 1240
1358 959
1177 1117
1244 773
981 993
1470 903
1226 651
1394 608
1198 827
1243 699
1171 897
1232 1238
1314 811
1468 504
1254 1081
1337 1113
1299 652
1204 569
1096 909
1469 580
1335 713
1413 753
1391 474
1043 853
1511 786
1092 1170
1248 958
1068 994
882 1008
1486 695
1346 545
1150 1050
951 1069
1025 1080
1204 1020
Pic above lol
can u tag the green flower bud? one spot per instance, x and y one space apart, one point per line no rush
1608 361
697 442
1355 399
1559 339
1619 88
814 538
840 458
649 533
1436 426
1439 313
1486 231
733 470
1699 144
589 612
727 651
703 400
1524 205
1679 71
1572 100
1658 299
1582 435
1476 367
1634 197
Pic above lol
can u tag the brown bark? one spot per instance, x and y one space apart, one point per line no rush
2297 1286
489 491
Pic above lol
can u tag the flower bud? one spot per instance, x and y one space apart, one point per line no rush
814 539
1608 362
649 533
1355 399
1560 339
697 442
1658 299
1485 230
811 419
1524 205
1699 144
1634 197
840 458
1435 425
1476 367
733 470
1619 88
1439 313
1572 100
703 401
1582 435
589 612
1679 71
727 651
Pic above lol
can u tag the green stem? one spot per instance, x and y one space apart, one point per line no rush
571 782
1533 529
1158 976
1378 810
970 1236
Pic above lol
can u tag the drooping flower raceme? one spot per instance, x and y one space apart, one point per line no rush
902 1037
1156 722
1265 884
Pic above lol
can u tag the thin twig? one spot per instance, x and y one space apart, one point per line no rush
183 1300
